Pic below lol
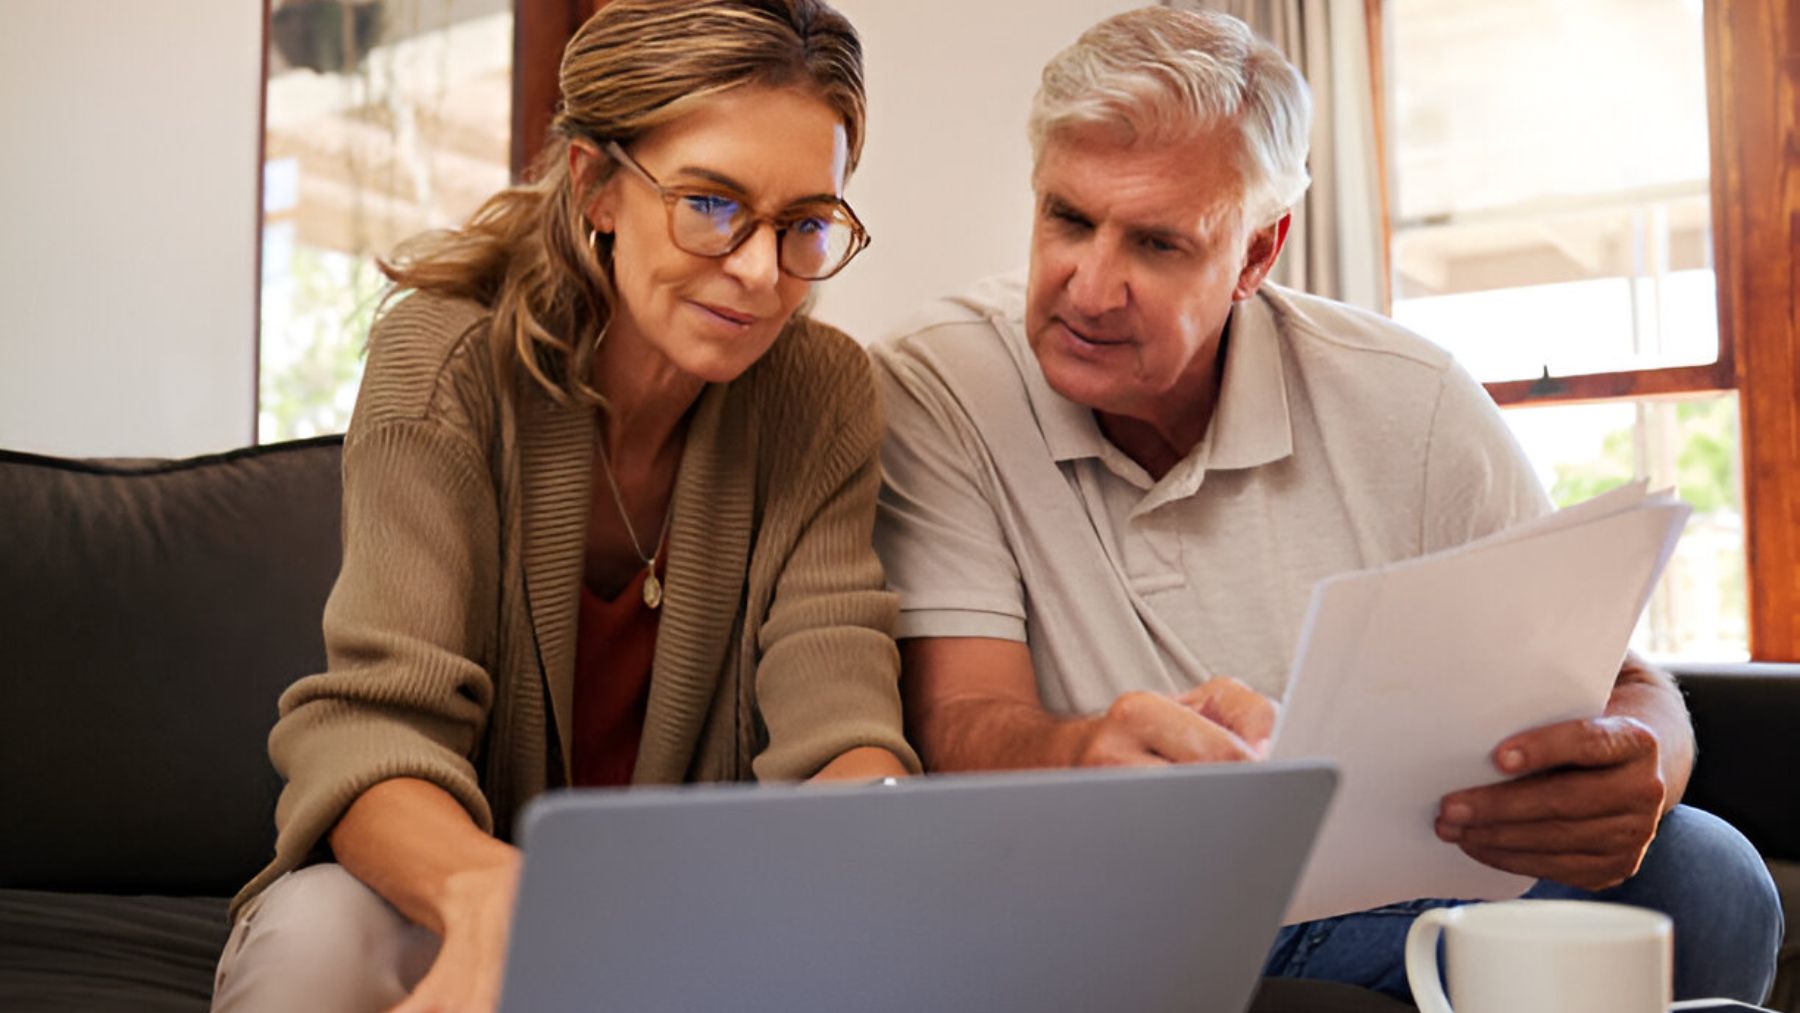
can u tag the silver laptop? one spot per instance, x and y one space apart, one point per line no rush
1139 890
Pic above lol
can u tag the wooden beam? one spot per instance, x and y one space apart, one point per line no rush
1753 70
262 215
541 28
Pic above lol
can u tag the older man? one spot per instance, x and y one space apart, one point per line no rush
1113 488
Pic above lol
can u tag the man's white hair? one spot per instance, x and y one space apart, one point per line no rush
1159 76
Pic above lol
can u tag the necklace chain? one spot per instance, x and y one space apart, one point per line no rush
652 586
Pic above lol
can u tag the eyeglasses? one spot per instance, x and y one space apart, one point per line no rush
813 239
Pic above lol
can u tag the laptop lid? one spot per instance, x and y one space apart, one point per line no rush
1144 890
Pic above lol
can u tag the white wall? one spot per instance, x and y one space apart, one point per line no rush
128 190
128 225
944 185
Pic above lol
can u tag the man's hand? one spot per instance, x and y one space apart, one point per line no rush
1583 811
972 704
466 974
1226 701
1148 729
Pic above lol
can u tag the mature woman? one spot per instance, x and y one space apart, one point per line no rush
607 508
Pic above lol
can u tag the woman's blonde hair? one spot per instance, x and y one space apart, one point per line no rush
637 64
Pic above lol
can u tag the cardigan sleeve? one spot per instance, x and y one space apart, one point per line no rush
828 675
408 636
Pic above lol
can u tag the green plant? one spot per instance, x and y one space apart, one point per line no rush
313 345
1705 463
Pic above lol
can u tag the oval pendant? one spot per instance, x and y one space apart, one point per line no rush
652 590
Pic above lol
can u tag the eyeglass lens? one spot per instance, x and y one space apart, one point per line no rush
814 241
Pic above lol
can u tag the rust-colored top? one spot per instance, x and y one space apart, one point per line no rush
613 652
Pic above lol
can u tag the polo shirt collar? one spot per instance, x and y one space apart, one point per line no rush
1251 425
1070 430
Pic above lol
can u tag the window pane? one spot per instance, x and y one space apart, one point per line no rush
384 117
1551 184
1698 610
1499 104
1601 325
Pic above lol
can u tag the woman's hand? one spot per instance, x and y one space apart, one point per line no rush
864 763
417 847
477 911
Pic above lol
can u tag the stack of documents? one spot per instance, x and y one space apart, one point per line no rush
1409 675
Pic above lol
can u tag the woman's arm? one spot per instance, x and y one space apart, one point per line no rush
864 763
417 847
827 679
377 750
408 632
410 625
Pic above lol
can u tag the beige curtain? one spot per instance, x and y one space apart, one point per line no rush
1334 248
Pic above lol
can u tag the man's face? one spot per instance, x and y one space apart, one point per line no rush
1136 257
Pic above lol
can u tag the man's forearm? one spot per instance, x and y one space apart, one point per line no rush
980 733
1650 695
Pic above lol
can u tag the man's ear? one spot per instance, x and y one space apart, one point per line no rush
585 162
1259 258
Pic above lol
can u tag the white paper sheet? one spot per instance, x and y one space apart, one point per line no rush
1409 675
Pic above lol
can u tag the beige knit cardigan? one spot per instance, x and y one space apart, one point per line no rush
450 634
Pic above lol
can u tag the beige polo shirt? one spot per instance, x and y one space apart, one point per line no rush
1340 441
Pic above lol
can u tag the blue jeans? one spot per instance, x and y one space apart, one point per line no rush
1699 871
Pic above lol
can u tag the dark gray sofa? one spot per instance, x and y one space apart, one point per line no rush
151 612
1747 728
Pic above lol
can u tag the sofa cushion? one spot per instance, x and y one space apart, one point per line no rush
150 615
97 954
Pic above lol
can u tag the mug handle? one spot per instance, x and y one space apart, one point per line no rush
1421 959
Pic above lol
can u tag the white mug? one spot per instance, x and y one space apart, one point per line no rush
1545 956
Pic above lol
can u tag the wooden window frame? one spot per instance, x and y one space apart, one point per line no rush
541 28
1753 115
1753 51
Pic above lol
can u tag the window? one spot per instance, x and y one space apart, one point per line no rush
1552 227
382 118
1690 445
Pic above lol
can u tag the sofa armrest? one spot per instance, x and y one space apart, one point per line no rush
1747 729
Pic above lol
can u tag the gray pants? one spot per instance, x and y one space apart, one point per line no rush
318 939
